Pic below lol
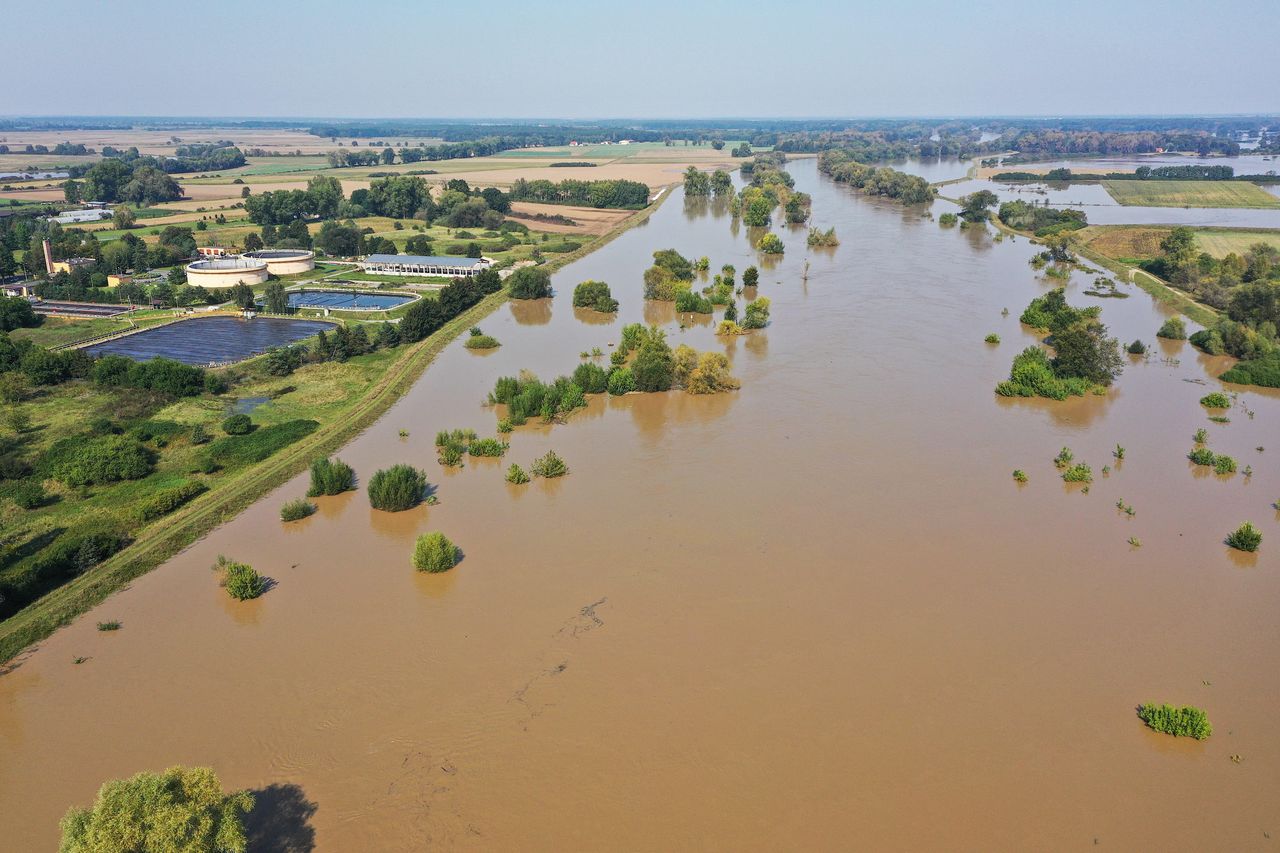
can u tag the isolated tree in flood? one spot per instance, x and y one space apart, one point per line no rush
182 809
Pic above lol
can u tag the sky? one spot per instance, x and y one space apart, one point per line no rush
639 58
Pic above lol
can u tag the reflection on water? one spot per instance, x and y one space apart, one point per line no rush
719 578
594 318
531 312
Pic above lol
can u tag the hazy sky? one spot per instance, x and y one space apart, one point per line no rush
642 58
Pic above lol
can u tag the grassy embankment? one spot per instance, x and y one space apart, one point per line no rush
1157 289
1190 194
353 413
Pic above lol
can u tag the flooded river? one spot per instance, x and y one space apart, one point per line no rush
814 614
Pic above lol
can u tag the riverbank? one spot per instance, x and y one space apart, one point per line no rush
175 532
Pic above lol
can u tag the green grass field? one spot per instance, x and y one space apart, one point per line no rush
1221 242
1190 194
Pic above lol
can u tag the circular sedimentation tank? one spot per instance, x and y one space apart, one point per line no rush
284 261
226 272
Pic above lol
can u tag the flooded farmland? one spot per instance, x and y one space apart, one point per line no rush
815 613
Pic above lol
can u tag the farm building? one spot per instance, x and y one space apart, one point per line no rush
423 265
70 217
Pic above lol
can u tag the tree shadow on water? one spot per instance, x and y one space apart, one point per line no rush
280 821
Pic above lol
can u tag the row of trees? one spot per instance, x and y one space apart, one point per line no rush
114 180
629 195
840 166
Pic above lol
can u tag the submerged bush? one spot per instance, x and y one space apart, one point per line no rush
728 327
1216 400
433 553
488 447
481 342
596 295
550 465
1078 473
1201 456
1187 721
947 220
689 302
992 338
1137 348
1173 329
240 580
591 378
750 277
331 477
756 314
1224 464
1019 475
516 475
397 488
1032 375
1246 537
771 244
297 509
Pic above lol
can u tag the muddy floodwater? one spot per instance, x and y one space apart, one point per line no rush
814 614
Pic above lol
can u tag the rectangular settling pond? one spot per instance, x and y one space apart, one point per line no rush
346 300
204 340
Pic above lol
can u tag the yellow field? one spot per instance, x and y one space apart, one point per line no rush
1190 194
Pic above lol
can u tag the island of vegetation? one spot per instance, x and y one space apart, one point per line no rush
1086 359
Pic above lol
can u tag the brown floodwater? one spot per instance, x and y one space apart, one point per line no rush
816 613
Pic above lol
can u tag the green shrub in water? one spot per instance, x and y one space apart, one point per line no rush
397 488
1246 537
550 465
434 553
1179 722
331 477
1216 400
297 509
240 580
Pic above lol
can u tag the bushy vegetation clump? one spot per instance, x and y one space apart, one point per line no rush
992 338
182 809
237 425
1174 329
1263 371
595 295
490 447
756 314
433 553
527 396
529 283
1078 473
1246 537
669 274
239 579
818 237
1137 348
1202 456
331 477
1032 375
549 465
947 220
87 461
516 475
1043 221
1051 312
1187 721
688 301
166 501
771 244
1224 464
297 509
1019 475
591 378
750 277
158 374
479 340
729 327
397 488
621 381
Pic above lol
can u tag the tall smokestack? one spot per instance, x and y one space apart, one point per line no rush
48 258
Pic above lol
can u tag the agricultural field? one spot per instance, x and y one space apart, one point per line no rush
1140 242
1190 194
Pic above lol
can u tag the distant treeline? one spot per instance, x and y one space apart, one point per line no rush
840 166
189 158
629 195
1142 173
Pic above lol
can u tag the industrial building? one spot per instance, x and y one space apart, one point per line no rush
423 265
284 261
72 217
214 273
